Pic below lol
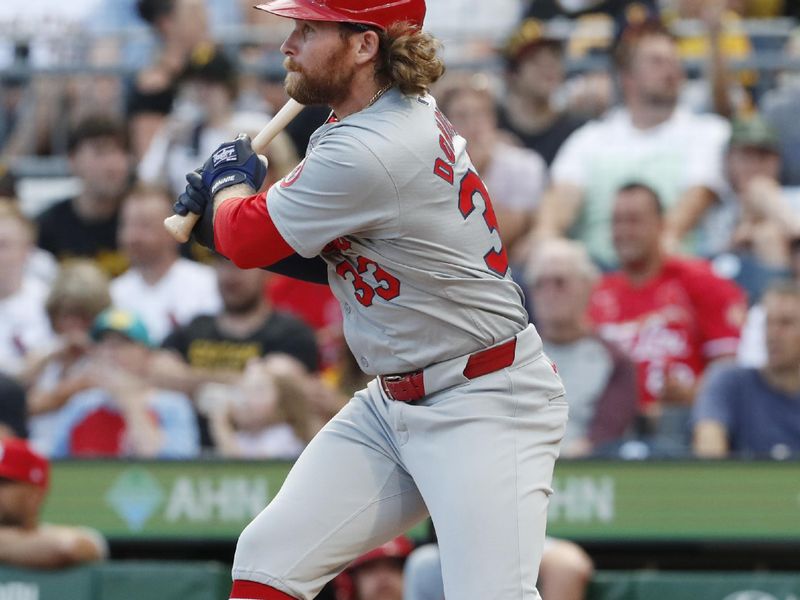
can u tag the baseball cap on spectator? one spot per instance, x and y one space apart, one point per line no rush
19 463
754 132
398 548
122 322
530 35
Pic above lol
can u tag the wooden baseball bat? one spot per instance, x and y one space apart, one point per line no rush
180 226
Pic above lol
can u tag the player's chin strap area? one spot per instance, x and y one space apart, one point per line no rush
251 590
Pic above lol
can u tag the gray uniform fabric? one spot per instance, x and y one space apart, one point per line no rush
389 199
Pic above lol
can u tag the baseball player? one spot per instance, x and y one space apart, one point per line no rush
465 414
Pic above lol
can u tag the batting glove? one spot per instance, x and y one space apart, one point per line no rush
196 198
233 163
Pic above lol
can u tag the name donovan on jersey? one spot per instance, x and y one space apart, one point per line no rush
444 167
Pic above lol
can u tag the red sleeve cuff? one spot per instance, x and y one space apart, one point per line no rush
245 234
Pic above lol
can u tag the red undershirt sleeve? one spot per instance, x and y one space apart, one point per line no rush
245 234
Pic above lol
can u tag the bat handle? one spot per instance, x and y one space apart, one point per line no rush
180 226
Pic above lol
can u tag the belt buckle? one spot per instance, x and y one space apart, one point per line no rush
405 386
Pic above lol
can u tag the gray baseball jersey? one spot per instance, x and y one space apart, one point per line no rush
390 200
409 236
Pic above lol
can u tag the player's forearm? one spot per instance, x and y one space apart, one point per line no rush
244 231
46 548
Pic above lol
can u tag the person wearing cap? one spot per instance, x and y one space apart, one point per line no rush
534 58
377 574
464 413
24 540
756 221
123 414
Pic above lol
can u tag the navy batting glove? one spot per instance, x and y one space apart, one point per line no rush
195 197
233 163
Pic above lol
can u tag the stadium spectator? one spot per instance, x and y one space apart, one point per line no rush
650 138
534 60
216 347
78 295
13 413
265 415
756 220
164 289
210 83
86 225
41 264
564 573
722 39
601 380
673 316
181 26
124 415
756 411
779 107
24 540
516 176
247 327
23 322
377 574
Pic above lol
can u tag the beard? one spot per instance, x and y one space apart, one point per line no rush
328 87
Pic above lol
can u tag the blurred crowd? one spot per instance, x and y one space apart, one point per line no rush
643 160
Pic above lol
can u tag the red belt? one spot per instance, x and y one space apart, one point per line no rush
410 387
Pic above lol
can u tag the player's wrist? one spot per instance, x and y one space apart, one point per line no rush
232 164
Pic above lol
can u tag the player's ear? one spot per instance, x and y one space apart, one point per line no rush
367 46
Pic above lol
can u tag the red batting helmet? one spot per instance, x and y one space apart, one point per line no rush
379 13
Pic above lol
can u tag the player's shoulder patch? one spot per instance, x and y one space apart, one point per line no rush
293 175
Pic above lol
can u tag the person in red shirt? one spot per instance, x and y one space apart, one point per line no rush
672 315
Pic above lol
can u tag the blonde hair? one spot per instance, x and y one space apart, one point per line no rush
409 59
80 288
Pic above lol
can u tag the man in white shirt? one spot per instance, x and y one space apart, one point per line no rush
23 321
162 288
649 139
